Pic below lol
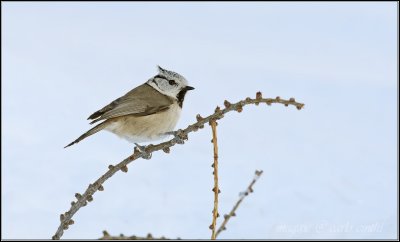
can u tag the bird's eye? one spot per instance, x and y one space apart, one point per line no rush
172 82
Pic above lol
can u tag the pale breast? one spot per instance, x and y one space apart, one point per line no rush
146 128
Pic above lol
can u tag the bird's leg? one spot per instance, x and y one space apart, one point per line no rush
142 150
179 135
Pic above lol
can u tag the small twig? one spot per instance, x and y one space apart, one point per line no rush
107 236
82 200
242 195
216 190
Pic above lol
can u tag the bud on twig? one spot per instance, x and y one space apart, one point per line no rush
166 150
124 169
227 104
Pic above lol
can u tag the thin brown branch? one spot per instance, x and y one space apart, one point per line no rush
107 236
242 195
87 196
213 124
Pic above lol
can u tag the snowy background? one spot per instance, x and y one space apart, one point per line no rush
330 170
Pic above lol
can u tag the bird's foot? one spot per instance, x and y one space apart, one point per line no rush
142 150
179 135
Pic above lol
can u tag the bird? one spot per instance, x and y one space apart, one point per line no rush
148 112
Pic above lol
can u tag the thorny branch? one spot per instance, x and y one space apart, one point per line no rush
107 236
216 190
242 195
87 196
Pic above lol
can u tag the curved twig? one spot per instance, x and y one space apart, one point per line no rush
107 236
242 195
87 196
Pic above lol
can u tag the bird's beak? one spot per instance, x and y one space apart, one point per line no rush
187 88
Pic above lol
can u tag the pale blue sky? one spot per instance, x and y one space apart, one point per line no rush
330 170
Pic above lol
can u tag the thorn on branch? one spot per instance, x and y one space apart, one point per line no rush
239 108
227 104
110 167
199 117
78 195
258 98
89 198
62 217
258 95
278 98
219 191
124 169
101 188
299 106
166 150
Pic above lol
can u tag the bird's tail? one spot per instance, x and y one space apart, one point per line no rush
91 131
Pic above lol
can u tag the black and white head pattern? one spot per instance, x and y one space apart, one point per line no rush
170 83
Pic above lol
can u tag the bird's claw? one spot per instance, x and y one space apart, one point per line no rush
180 137
142 150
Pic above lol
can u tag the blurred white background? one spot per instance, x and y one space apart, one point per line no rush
330 170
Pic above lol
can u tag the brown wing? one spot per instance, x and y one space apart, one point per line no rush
141 101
